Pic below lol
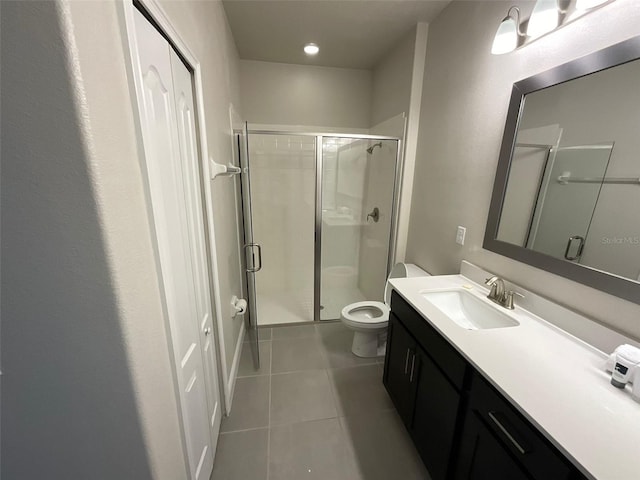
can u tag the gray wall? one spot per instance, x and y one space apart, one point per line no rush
87 384
391 87
465 98
71 405
283 94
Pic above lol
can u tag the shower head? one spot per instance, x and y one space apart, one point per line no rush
370 149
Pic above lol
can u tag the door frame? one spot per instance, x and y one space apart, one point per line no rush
162 23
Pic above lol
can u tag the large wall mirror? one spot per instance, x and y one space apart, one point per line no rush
567 191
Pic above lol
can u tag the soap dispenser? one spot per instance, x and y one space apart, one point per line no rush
635 391
627 360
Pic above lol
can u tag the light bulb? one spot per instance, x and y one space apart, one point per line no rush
544 18
506 39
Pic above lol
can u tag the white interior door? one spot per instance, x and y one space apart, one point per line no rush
183 93
173 194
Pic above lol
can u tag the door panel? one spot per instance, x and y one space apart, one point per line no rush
400 360
183 92
280 174
357 196
170 207
483 457
566 209
249 246
435 417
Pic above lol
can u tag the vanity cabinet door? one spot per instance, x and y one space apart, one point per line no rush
482 455
435 417
400 369
497 439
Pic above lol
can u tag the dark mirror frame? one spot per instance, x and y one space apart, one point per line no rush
618 54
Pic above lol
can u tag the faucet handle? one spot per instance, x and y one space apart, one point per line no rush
508 299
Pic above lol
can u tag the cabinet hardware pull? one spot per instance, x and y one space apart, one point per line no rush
492 416
578 252
406 361
413 364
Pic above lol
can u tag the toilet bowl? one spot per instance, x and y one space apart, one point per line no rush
369 319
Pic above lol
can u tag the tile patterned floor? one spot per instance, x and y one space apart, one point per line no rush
314 411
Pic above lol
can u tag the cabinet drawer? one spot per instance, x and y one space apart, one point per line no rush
526 445
452 364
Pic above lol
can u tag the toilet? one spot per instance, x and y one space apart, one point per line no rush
369 319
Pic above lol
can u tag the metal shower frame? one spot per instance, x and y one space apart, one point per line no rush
397 190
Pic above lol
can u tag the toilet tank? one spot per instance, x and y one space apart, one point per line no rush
402 270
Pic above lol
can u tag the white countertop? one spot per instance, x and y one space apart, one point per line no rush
555 380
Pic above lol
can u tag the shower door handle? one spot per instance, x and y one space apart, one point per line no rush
578 252
254 268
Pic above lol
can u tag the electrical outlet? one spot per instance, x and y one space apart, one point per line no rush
460 234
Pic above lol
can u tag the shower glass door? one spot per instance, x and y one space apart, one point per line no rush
282 191
251 262
357 184
566 205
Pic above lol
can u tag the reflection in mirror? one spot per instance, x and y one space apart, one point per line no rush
566 205
573 185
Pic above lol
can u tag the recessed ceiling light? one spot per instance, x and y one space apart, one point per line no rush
311 49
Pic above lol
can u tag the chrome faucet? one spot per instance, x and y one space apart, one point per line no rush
497 288
498 294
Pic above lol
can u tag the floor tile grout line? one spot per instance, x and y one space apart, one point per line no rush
323 368
348 446
334 394
325 358
297 422
252 429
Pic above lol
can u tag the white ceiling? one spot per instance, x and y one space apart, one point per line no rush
350 33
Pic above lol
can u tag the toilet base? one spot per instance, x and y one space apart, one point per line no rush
368 344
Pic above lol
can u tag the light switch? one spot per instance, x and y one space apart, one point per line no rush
460 234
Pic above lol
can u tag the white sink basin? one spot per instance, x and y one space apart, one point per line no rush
469 311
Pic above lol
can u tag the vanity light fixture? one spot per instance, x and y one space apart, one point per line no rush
311 49
547 16
544 18
508 34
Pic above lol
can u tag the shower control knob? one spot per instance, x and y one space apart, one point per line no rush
207 331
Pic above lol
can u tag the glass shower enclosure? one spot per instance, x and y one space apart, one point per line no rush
357 198
322 211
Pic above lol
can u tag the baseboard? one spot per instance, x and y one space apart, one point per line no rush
233 375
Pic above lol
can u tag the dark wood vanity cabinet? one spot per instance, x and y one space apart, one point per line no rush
399 362
435 417
427 399
497 442
461 426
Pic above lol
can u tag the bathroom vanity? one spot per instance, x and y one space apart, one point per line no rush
517 399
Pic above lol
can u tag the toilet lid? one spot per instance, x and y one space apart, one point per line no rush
355 312
402 270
